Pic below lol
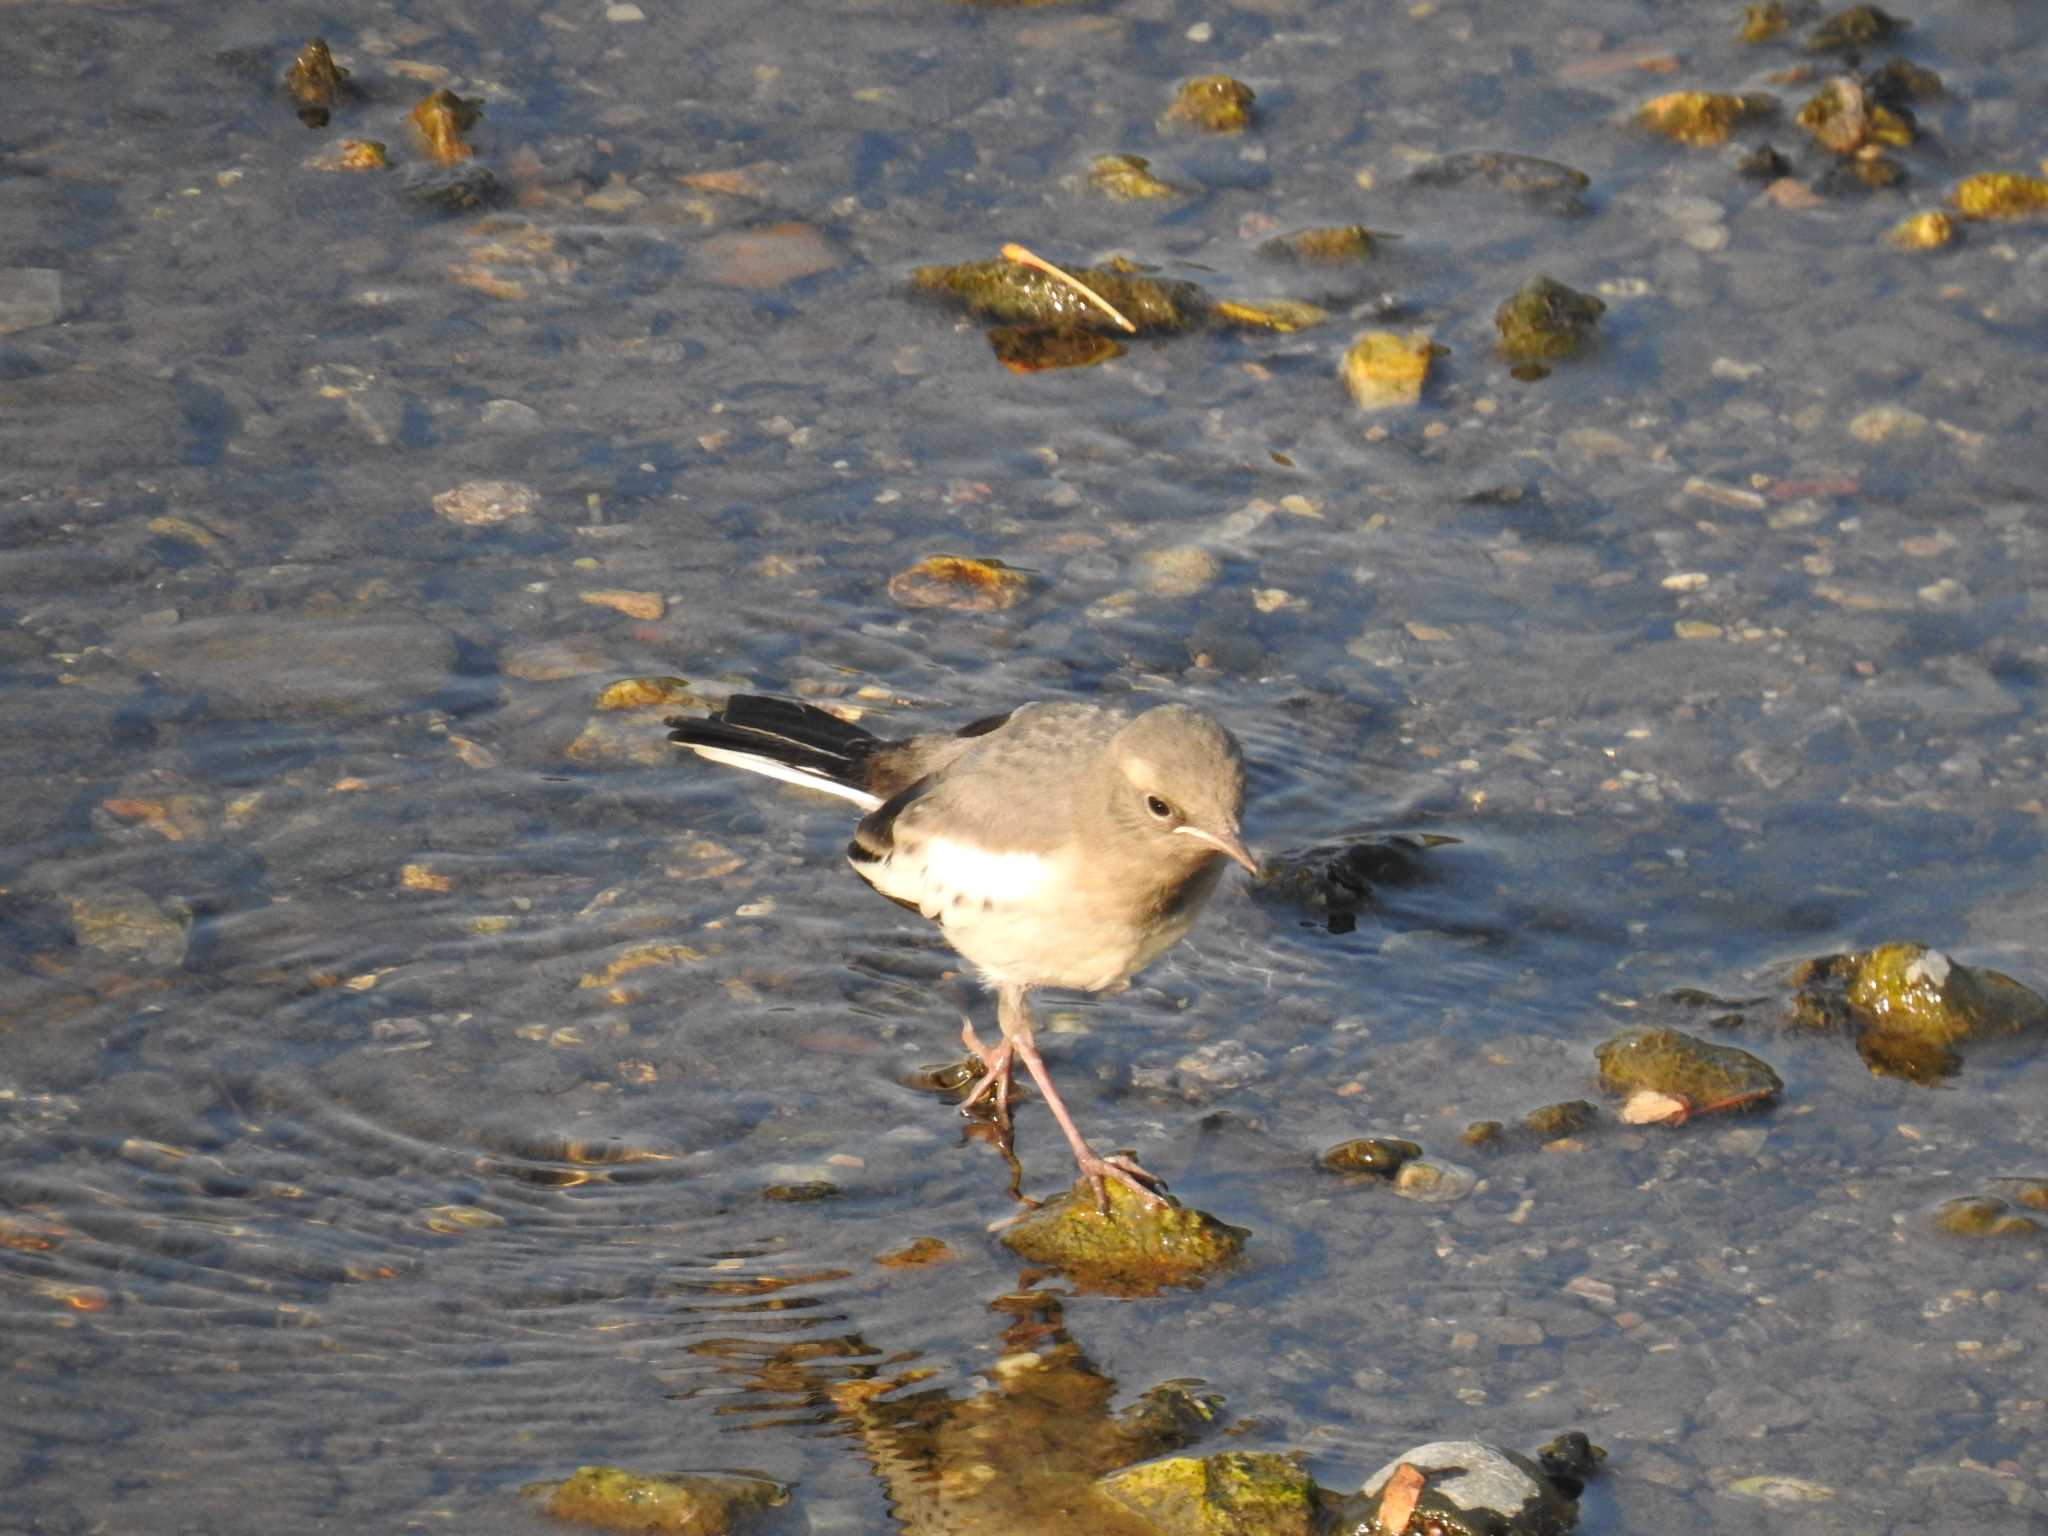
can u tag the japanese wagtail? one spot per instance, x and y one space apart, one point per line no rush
1058 845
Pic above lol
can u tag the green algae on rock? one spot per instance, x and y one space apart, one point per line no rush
1016 294
316 84
1699 1076
1232 1493
1129 179
688 1504
1547 184
1911 1008
1702 117
1983 1216
1133 1249
1211 104
2000 195
1857 27
959 582
1544 320
1843 118
1762 21
1328 245
1381 1156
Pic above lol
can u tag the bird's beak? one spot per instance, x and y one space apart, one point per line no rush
1228 844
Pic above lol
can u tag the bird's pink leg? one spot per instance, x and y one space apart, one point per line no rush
1013 1011
995 1073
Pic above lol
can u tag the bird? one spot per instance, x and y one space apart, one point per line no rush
1061 844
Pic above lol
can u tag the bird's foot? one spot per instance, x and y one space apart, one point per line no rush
1127 1171
994 1082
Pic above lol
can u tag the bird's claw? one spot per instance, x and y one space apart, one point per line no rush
1127 1171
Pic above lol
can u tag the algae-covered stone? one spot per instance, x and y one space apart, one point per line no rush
1703 1076
128 924
1018 294
441 120
646 693
1128 179
1855 28
1982 1216
1911 1008
1554 1121
1763 21
1544 320
1922 231
2001 195
1212 104
958 582
1387 369
1382 1156
1843 118
1233 1493
1132 1249
612 1499
1548 184
1702 117
1282 315
316 84
1323 246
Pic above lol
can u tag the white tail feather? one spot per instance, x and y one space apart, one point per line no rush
801 777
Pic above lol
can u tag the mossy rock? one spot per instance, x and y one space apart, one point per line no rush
1911 1008
1702 117
1669 1061
1544 320
1016 294
2001 195
1132 1249
1233 1493
613 1499
1212 104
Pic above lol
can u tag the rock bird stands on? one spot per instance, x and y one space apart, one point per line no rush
1059 845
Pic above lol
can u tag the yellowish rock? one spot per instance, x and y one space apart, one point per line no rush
1386 369
959 582
646 693
1701 118
1181 571
418 877
634 605
1128 179
1922 231
2001 195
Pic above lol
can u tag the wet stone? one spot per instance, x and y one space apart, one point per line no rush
1699 1074
613 1499
1233 1493
1381 1156
1132 1249
1464 1486
1983 1216
128 924
1545 183
1544 320
1912 1009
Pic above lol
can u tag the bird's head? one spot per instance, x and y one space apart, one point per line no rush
1180 784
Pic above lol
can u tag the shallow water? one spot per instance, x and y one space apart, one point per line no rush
329 1192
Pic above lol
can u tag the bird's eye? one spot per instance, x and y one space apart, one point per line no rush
1159 808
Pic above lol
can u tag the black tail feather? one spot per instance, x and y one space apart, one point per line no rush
798 735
